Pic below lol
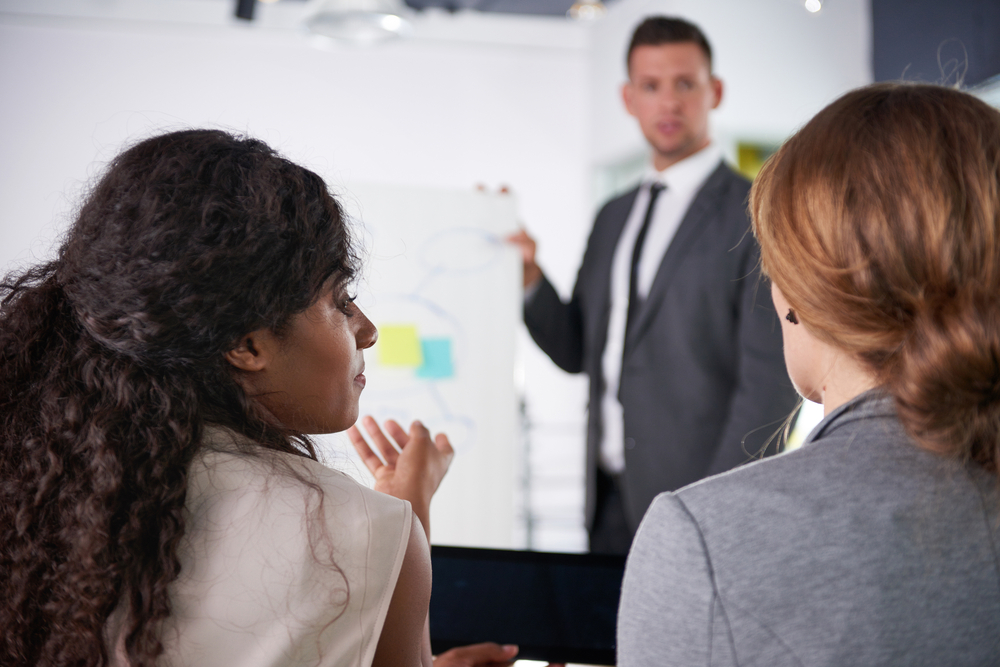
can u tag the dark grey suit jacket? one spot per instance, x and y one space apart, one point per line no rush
703 382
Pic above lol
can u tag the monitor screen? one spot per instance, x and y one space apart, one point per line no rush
554 606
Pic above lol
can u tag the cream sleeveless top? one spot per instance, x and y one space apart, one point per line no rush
276 572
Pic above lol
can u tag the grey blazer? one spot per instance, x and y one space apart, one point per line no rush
703 383
857 549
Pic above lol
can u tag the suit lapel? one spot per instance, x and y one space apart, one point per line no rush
693 224
609 242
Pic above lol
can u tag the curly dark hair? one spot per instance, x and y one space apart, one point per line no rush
112 358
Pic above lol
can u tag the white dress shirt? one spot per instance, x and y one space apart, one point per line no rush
682 181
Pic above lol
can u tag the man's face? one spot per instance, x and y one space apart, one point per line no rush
670 92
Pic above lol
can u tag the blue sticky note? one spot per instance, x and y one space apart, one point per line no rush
437 359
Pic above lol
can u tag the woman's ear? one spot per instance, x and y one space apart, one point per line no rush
253 352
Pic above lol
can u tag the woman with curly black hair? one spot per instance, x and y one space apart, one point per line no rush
160 502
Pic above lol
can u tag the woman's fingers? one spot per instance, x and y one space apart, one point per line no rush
445 452
396 432
370 459
419 432
444 446
385 447
414 470
477 655
430 456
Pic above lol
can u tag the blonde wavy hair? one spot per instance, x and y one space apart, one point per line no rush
880 223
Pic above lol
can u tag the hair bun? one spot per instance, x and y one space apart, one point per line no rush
947 377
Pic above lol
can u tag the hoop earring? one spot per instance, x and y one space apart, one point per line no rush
791 317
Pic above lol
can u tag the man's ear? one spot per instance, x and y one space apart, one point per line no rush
627 93
253 352
717 88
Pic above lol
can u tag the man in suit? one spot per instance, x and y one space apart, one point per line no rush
669 317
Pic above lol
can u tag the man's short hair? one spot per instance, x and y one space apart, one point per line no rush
657 30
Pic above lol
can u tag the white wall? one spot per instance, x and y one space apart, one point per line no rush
425 113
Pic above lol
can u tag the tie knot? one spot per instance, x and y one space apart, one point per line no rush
656 187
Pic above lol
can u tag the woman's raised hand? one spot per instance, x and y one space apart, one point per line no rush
414 466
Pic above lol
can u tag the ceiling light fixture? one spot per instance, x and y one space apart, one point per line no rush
587 10
359 21
814 5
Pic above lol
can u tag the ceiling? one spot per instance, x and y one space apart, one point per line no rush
538 7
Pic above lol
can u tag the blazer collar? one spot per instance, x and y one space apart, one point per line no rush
873 404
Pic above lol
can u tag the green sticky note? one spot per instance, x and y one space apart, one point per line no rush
437 359
399 345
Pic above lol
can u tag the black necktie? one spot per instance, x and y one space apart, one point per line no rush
633 281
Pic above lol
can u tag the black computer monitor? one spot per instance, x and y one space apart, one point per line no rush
555 606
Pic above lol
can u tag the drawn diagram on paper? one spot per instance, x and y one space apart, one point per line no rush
443 288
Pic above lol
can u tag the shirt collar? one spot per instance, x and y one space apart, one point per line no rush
689 173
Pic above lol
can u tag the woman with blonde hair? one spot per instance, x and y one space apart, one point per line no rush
876 542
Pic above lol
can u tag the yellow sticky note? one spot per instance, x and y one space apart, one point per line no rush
399 345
